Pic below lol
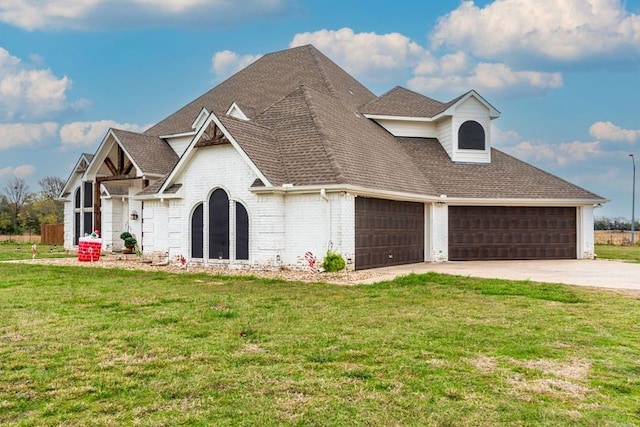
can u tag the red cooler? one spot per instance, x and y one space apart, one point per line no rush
89 249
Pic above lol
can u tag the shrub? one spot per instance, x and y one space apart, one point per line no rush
333 262
129 240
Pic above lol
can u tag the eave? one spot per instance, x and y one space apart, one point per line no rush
412 197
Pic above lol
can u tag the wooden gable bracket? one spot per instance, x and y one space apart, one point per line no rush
212 136
123 168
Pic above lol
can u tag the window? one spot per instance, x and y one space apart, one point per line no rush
88 194
219 225
76 218
83 211
197 232
242 232
225 238
471 136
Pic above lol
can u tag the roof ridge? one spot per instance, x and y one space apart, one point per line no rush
314 53
273 134
417 93
324 137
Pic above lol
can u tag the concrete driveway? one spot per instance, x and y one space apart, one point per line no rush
597 273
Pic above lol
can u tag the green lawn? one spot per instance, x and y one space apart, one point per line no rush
82 346
626 253
16 251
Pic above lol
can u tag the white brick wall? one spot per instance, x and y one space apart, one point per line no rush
281 226
439 226
68 220
586 249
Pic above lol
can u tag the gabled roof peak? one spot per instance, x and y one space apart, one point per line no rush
266 81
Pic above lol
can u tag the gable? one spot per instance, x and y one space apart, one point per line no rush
78 171
213 133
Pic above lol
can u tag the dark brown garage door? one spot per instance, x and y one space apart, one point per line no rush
388 232
498 232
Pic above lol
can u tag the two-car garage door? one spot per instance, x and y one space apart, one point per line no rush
390 232
503 233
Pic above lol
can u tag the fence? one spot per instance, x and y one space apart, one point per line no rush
615 237
20 238
52 234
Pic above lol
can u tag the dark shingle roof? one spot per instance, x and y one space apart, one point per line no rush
404 102
116 189
261 145
152 154
306 128
504 178
267 80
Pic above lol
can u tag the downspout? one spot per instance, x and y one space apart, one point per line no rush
323 194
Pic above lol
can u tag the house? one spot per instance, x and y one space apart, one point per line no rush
293 155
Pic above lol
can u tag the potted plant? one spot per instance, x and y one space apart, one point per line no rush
130 242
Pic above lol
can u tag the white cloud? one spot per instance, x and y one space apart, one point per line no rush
559 154
609 132
388 57
100 14
27 93
543 152
226 63
26 134
22 171
79 134
374 56
559 30
456 73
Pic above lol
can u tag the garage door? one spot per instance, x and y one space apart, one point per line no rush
499 233
388 232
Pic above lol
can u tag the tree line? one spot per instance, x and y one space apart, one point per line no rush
622 224
23 210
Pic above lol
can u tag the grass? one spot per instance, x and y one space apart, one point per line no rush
83 346
20 251
625 253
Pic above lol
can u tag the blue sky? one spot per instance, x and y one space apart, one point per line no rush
565 76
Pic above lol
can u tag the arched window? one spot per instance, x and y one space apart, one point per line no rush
87 207
242 232
219 225
76 218
471 136
197 232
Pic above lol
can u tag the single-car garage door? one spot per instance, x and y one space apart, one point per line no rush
502 233
388 232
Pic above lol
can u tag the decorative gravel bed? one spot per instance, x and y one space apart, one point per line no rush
131 262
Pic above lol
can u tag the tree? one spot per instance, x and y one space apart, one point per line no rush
47 208
51 186
5 216
17 192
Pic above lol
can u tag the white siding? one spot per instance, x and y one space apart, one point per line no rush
415 129
444 131
180 143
